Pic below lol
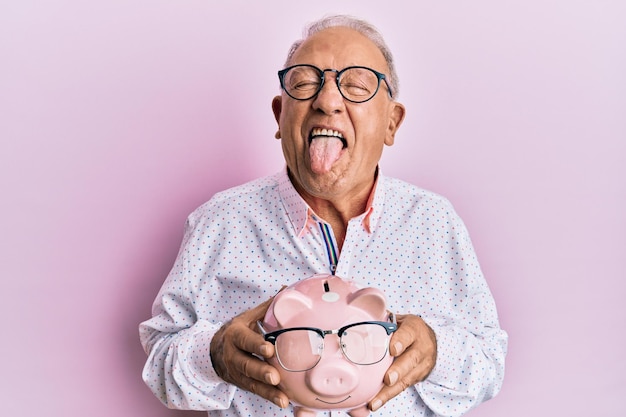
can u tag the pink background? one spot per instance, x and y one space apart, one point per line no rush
117 118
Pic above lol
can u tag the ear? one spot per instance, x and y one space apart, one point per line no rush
369 300
290 303
396 116
277 107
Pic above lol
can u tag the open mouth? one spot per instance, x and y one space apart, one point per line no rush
332 403
318 132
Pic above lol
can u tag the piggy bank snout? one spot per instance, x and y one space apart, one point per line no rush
333 379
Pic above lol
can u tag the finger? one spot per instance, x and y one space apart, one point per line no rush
411 368
405 335
385 394
414 364
269 392
253 342
258 377
232 349
249 366
405 375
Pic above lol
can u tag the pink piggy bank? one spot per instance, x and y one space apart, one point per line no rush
331 339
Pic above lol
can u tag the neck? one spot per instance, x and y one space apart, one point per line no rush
337 210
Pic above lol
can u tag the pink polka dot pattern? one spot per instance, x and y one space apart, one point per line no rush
245 243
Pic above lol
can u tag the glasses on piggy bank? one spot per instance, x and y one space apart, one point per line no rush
299 349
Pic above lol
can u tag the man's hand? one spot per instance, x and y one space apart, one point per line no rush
232 350
414 347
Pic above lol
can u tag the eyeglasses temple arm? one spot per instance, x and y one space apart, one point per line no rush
392 318
261 328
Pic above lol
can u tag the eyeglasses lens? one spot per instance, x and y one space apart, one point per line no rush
299 350
358 84
365 344
302 82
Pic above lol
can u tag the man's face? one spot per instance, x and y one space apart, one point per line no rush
321 164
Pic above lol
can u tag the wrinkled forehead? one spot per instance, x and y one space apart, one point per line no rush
338 48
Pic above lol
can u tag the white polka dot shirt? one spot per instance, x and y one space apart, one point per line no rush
245 243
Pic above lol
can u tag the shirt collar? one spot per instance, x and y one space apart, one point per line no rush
300 213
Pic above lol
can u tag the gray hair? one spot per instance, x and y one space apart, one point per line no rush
364 28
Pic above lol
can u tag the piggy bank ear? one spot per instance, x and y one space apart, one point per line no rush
370 300
288 304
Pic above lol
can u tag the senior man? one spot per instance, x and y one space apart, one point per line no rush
331 210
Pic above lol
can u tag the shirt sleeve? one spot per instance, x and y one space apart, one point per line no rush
178 369
471 347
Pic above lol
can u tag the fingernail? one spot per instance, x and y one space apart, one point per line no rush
398 347
264 350
269 378
393 378
376 405
279 402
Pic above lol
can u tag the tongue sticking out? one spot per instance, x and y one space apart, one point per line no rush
324 151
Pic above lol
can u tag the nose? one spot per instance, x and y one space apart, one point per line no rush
329 100
335 379
333 376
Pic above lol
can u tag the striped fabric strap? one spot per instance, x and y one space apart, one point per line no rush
330 246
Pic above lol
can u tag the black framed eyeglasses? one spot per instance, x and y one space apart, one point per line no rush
299 349
356 84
